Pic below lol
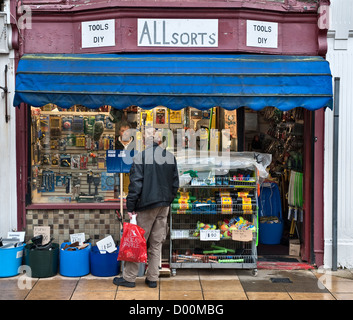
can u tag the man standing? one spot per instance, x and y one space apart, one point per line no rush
154 182
125 140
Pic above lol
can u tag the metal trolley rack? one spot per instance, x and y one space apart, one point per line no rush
203 216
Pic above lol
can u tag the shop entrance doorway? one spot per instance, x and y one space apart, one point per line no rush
281 202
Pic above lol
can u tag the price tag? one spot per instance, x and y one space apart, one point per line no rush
210 235
44 231
17 234
180 234
80 237
106 244
242 235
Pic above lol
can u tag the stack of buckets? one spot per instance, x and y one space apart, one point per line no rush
45 263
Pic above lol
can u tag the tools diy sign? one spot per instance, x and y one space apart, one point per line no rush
261 34
98 33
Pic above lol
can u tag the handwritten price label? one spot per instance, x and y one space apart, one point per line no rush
210 235
242 235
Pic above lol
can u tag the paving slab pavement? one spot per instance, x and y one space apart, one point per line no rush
190 284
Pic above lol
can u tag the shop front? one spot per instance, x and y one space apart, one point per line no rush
211 79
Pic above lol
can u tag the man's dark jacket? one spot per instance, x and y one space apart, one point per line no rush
154 179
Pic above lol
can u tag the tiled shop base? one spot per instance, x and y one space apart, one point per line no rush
186 285
96 224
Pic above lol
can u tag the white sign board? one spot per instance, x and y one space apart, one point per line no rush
210 235
177 32
18 234
106 244
97 34
261 34
44 231
80 237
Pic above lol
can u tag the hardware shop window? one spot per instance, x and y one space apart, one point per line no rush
68 154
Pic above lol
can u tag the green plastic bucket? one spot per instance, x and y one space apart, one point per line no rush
43 263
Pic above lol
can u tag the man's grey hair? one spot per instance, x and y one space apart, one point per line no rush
152 135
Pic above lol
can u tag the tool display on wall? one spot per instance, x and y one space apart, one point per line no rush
68 141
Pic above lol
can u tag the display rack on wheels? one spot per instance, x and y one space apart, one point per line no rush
214 218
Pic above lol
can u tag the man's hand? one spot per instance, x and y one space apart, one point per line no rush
131 214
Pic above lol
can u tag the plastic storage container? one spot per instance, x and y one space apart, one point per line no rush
104 264
43 263
271 233
10 261
74 263
270 206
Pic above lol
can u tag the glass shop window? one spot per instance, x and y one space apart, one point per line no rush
69 147
68 153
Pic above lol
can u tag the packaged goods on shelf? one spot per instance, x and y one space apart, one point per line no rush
241 161
225 226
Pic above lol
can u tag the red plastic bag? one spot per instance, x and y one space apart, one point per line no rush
133 245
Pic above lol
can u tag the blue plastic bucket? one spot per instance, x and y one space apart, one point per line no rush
270 206
10 261
104 264
74 263
271 233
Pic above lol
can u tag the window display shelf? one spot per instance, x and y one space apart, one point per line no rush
214 220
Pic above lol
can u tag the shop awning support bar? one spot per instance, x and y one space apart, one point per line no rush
7 117
335 171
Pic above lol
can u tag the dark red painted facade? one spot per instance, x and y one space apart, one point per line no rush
56 28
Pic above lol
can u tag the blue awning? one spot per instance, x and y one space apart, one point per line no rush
174 80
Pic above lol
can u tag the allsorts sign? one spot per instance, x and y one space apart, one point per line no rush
177 32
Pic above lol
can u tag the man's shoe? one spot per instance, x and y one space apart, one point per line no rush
151 284
122 282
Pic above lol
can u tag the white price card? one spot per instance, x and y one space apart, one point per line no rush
106 244
44 231
210 235
18 234
180 234
80 237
